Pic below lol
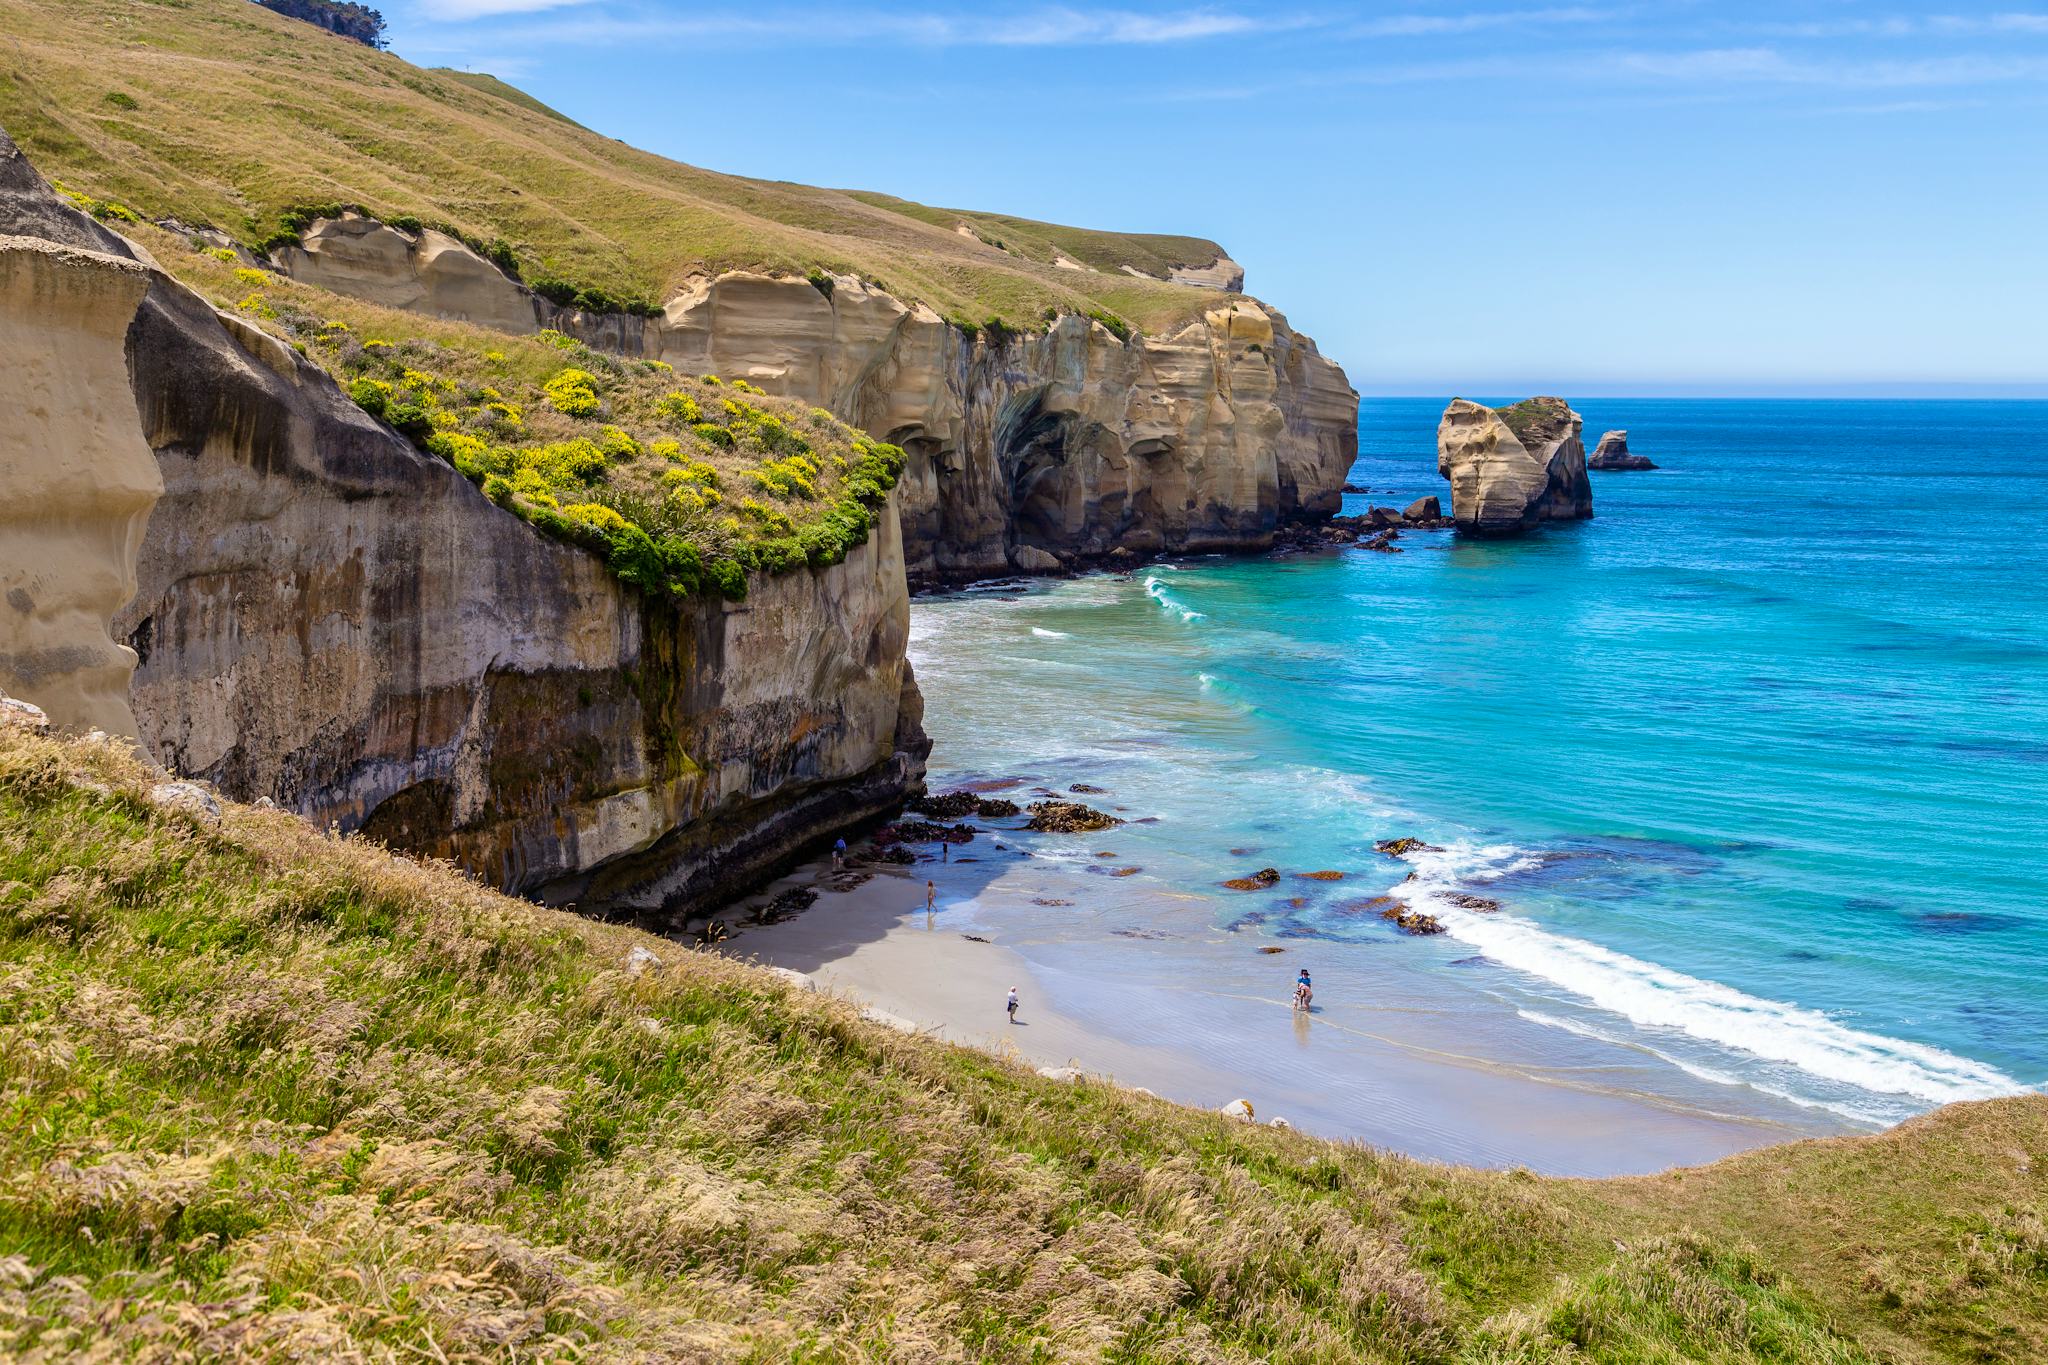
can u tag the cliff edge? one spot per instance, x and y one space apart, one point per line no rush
326 616
1061 444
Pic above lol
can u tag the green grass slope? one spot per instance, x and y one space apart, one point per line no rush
270 1095
218 111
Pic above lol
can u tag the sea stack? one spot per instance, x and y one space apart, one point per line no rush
1513 468
1613 453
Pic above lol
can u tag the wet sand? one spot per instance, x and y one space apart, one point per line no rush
1134 984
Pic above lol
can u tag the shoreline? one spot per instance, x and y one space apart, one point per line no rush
1172 1019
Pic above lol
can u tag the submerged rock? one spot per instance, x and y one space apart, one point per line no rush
1484 905
1258 881
1069 817
1405 916
1613 453
1403 846
1513 468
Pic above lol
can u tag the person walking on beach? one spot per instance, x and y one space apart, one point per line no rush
931 901
1010 1007
1304 990
839 855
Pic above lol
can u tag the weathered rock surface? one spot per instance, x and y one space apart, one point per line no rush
422 272
1067 442
1513 468
1423 510
1613 453
1221 273
79 481
329 618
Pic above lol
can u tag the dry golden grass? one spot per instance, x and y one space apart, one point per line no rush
279 1096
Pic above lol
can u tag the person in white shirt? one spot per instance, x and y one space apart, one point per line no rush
1011 1007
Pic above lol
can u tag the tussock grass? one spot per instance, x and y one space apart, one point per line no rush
276 1095
239 114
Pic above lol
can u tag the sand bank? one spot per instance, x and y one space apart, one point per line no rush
1132 984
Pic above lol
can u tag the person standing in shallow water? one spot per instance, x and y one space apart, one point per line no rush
1010 1006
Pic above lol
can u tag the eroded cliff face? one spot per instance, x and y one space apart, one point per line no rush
79 480
1513 468
1068 443
331 619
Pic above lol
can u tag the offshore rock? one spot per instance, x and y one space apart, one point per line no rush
1613 453
326 617
1513 468
1070 442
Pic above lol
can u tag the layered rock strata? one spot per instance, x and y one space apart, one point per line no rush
331 619
1069 442
79 480
1513 468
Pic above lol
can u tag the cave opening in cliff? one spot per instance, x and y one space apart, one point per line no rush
1031 446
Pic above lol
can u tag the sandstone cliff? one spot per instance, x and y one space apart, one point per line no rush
79 481
1069 442
1513 468
331 619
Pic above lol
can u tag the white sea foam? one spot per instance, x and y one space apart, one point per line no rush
1156 590
1881 1113
1654 997
1042 633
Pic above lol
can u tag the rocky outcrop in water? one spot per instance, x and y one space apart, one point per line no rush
327 617
79 480
1513 468
1027 451
1613 453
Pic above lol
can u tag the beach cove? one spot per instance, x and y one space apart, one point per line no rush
1721 924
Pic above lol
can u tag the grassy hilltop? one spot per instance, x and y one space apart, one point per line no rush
272 1095
221 112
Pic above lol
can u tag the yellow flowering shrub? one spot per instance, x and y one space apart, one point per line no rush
594 514
573 393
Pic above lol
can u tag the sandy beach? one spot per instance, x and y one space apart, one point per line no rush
1200 1016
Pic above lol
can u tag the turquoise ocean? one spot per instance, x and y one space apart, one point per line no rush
1756 760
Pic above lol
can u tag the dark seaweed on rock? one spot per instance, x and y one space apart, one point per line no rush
1069 817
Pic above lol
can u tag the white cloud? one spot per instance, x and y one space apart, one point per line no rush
1764 65
1436 25
1057 26
485 9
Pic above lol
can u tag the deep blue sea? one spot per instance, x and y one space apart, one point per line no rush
1756 760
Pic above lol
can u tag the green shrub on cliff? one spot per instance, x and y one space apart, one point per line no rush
622 458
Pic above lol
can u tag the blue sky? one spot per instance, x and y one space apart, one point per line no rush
1831 196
